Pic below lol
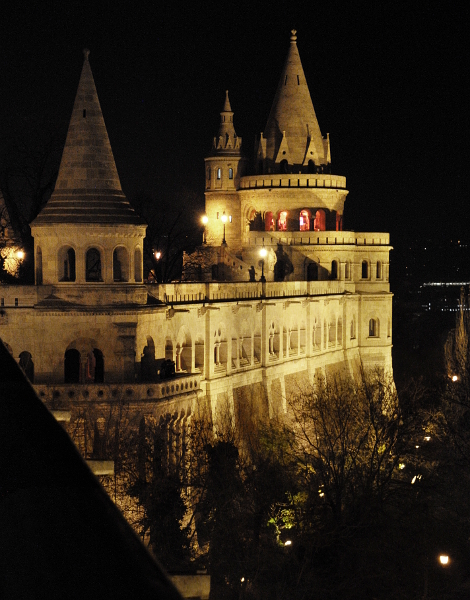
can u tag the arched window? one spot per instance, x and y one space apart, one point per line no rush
38 266
373 328
347 270
208 174
219 173
304 220
352 333
365 270
379 270
26 363
138 265
319 223
230 173
283 166
120 264
334 269
311 166
72 366
93 265
269 223
282 221
67 264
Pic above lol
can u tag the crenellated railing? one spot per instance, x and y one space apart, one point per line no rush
292 180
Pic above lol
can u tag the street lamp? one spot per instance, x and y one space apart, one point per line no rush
205 220
263 253
224 220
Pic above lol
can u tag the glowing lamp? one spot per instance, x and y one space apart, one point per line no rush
158 255
20 254
205 220
443 559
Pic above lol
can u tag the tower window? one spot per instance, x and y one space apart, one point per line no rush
230 173
334 269
84 113
93 265
209 174
373 328
379 270
285 80
298 80
219 173
365 269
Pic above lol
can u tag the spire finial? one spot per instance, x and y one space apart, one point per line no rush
293 37
86 53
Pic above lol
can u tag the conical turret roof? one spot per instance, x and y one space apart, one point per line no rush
88 189
227 141
292 122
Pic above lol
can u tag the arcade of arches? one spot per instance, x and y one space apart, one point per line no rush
296 220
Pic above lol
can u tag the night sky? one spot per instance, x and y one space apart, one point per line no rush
388 82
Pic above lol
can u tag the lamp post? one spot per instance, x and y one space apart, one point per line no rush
224 220
205 220
263 253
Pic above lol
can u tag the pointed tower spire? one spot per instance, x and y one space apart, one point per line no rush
226 140
292 133
88 187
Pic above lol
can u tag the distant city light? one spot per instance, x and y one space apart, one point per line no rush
288 543
242 579
443 559
20 254
455 377
158 255
401 466
427 438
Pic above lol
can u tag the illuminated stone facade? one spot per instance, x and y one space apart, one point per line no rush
91 331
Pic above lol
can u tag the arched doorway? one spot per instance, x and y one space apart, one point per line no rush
72 366
304 220
312 271
282 221
319 224
95 367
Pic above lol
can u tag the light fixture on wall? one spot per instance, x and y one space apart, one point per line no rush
224 219
205 220
263 253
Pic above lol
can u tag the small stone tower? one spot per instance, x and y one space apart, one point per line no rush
225 165
88 235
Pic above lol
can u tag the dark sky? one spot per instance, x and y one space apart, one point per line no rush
388 81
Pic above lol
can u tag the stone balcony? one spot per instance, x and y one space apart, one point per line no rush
106 392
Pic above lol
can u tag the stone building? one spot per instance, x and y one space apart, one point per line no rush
288 292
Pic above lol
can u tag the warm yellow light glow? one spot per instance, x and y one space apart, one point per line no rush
12 258
443 559
224 218
242 579
205 219
427 438
158 255
288 543
263 252
455 378
401 466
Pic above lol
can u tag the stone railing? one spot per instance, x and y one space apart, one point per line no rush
292 180
108 392
309 238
